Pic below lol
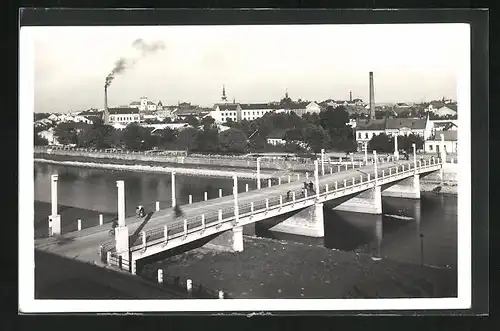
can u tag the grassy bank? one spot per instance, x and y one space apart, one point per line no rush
271 269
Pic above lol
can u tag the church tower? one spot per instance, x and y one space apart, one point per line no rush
224 98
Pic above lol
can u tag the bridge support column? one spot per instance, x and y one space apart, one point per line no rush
54 218
368 202
229 241
306 222
408 188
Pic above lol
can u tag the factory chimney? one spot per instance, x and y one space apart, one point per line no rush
106 112
350 96
372 98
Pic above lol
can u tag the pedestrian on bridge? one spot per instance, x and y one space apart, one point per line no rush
311 187
288 195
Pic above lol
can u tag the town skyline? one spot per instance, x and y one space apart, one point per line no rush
249 61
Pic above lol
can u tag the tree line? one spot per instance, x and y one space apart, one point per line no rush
311 132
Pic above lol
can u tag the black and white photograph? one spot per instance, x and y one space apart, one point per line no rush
245 167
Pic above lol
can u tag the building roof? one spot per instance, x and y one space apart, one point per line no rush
371 125
278 134
122 110
447 135
250 106
135 103
412 123
227 106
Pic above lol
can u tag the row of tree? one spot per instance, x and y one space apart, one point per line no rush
327 130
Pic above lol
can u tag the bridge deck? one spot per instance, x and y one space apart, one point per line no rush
84 244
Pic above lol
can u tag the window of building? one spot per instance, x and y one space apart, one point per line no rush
366 135
359 135
373 134
430 147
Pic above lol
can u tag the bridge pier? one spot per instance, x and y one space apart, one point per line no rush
408 188
368 202
230 240
306 222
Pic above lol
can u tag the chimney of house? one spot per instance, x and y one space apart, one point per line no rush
106 113
372 98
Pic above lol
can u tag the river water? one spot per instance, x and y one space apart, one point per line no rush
396 234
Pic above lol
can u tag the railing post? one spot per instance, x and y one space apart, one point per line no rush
281 201
160 276
307 175
269 182
79 224
390 171
289 179
293 197
185 228
326 188
165 234
190 199
101 220
346 166
305 193
220 193
383 173
108 258
353 181
338 168
246 187
143 236
206 196
336 185
267 203
298 177
345 183
251 207
157 205
331 171
368 177
203 225
279 180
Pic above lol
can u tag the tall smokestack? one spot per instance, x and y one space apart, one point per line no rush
106 113
372 98
350 96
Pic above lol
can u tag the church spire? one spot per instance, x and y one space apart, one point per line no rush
286 93
224 98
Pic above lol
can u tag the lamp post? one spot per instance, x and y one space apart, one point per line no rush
396 150
375 165
258 173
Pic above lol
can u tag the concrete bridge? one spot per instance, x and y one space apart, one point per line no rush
287 207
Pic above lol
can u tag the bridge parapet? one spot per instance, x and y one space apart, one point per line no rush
221 220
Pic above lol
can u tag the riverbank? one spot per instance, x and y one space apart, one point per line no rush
272 269
151 167
448 187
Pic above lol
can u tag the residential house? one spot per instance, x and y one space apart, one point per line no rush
445 111
366 130
276 138
434 144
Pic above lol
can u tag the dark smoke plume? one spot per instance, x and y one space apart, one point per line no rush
124 63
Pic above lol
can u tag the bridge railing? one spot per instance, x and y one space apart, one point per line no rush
183 227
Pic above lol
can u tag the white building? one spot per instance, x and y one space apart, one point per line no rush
366 130
252 111
123 115
434 145
224 111
49 135
276 138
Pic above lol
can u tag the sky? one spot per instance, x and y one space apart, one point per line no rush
410 62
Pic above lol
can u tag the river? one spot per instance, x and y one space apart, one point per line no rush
394 235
